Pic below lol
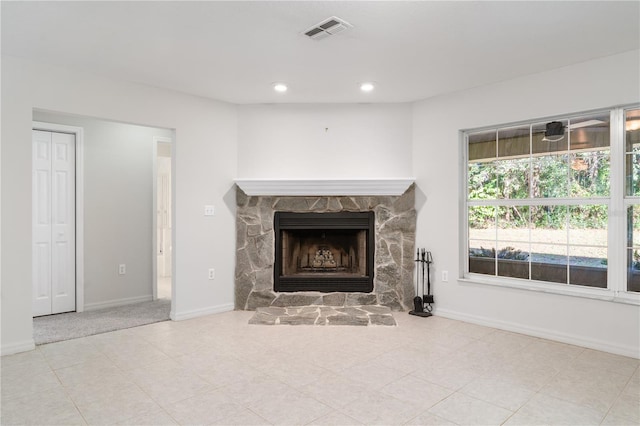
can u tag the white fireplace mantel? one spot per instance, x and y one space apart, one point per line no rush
328 187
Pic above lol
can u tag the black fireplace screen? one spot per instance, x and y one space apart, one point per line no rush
324 252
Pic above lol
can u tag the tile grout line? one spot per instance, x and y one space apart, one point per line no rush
66 392
620 394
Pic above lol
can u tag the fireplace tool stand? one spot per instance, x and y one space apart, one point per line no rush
422 305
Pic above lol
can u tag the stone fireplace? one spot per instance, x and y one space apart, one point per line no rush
359 251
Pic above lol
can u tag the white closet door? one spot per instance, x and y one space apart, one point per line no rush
41 215
54 284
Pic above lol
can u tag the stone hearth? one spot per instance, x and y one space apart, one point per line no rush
324 315
395 225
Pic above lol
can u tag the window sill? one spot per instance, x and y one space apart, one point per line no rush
561 289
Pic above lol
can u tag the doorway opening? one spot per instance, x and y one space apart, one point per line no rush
115 224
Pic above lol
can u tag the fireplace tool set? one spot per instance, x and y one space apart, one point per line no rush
422 305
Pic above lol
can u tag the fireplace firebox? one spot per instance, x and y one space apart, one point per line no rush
325 252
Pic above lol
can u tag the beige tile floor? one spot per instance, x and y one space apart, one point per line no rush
220 370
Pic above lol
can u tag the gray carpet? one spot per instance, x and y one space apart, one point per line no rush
55 328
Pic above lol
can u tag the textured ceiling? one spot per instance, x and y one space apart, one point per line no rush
234 51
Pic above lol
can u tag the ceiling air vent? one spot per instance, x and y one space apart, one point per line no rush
328 27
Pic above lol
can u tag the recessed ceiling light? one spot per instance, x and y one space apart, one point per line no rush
367 87
280 87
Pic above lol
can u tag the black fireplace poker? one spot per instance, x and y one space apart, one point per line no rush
422 305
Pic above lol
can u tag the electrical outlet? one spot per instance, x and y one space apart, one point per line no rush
209 211
445 276
212 274
122 269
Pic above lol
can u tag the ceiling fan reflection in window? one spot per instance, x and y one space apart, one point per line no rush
555 130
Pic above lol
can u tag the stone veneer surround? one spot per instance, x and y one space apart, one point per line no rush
395 227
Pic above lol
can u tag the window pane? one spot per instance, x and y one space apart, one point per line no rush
589 133
482 146
482 236
633 226
632 167
541 144
590 174
550 176
588 245
549 262
633 270
633 248
549 224
514 142
482 223
482 181
588 266
632 163
513 223
588 225
632 129
549 243
513 178
482 257
513 260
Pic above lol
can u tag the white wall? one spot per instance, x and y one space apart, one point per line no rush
325 141
437 155
118 207
204 168
398 140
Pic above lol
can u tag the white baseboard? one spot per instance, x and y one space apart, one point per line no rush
572 339
117 302
179 316
17 347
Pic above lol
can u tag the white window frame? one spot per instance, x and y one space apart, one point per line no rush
617 204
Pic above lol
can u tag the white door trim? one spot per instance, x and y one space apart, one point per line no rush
79 134
154 223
